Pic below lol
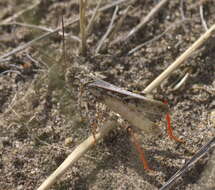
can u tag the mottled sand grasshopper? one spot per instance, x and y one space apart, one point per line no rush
138 110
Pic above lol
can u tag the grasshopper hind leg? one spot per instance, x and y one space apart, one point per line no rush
139 149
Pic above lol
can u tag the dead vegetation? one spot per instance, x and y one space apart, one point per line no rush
129 43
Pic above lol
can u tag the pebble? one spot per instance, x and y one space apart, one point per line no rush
68 141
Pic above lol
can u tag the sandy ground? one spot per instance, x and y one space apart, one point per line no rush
42 119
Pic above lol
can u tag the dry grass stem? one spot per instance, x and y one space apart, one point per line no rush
115 3
75 155
202 17
195 5
183 17
119 24
43 36
13 17
93 18
26 45
10 71
181 82
28 56
182 9
146 19
110 27
172 26
82 13
43 28
179 60
63 41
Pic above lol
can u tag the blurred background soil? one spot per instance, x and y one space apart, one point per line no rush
41 120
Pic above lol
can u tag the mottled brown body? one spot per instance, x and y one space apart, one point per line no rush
138 110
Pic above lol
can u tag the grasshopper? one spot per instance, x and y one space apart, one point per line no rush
140 111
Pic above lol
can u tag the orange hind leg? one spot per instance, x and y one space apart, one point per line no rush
139 150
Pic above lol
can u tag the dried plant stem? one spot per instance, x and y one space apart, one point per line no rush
181 82
28 44
110 27
63 40
43 36
43 28
7 20
82 13
75 155
195 5
172 26
146 19
202 17
183 17
115 3
179 60
182 9
93 18
118 24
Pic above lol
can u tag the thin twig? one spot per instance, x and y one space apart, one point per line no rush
43 28
158 36
182 9
202 17
63 40
16 114
28 44
82 13
190 163
146 19
119 24
75 155
93 18
11 105
110 27
10 71
69 23
13 17
115 3
182 13
5 60
28 56
195 5
179 60
181 82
